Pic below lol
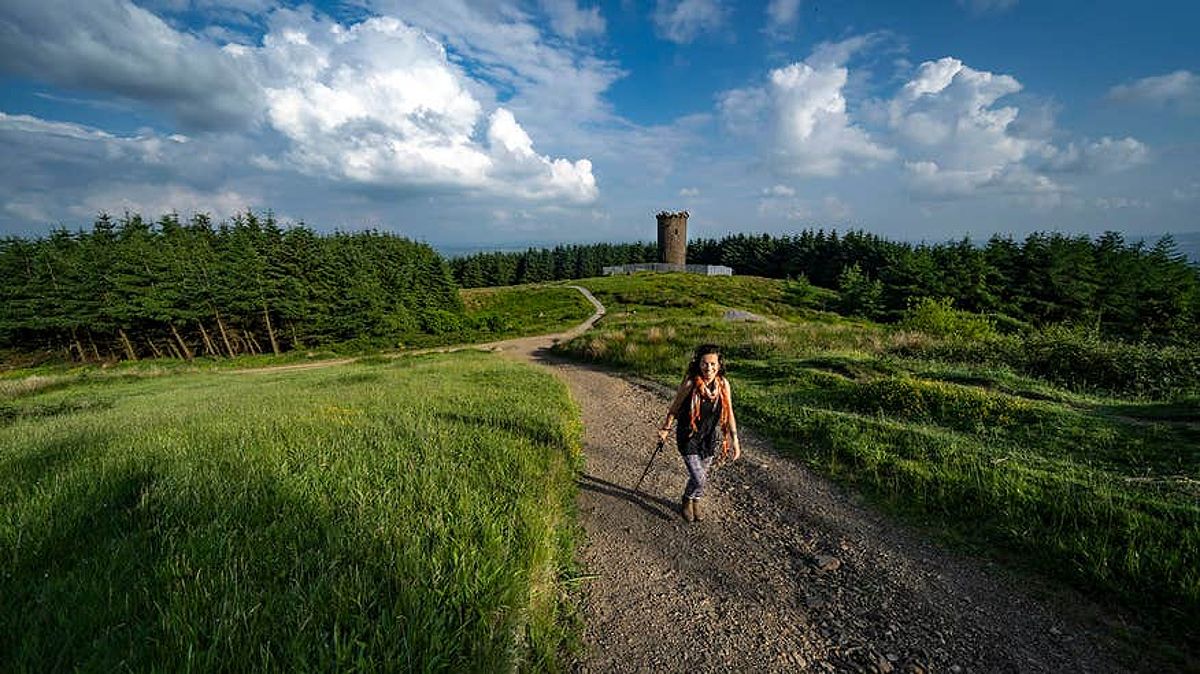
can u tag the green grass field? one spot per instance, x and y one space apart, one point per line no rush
516 311
1100 490
412 513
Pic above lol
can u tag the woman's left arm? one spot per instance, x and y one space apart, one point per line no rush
737 445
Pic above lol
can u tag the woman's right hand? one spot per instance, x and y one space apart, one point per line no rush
663 434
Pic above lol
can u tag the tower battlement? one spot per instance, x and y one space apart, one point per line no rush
672 237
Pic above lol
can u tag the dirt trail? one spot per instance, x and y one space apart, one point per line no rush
788 573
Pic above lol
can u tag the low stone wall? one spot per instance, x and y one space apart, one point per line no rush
704 269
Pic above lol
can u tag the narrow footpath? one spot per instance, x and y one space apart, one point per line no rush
788 573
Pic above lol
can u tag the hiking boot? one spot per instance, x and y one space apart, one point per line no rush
696 510
687 509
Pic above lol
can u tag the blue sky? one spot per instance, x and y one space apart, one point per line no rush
503 122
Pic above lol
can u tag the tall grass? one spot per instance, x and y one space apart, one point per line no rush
411 514
1101 490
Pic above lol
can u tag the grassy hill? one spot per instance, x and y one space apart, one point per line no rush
419 510
1080 458
411 513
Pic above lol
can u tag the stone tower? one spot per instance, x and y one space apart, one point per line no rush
672 237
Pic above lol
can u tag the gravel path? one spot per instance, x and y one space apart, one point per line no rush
787 573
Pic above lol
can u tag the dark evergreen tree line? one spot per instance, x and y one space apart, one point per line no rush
481 270
1119 289
1124 290
130 288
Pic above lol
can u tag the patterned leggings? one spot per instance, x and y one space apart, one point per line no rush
697 468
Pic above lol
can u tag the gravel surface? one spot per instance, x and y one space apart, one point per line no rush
787 573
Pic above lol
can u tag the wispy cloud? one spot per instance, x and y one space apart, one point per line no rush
987 6
682 21
1181 88
783 19
60 169
571 21
88 46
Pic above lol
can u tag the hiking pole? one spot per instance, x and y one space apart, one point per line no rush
657 449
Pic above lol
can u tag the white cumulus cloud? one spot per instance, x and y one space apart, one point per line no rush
803 109
959 138
377 104
956 138
380 103
553 88
152 201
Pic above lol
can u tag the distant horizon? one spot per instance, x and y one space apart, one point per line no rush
1188 242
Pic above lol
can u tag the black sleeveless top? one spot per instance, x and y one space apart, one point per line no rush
707 439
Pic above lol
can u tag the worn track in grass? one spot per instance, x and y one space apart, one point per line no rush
788 573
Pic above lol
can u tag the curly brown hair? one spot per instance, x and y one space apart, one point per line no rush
693 368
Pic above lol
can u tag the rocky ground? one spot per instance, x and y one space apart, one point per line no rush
787 573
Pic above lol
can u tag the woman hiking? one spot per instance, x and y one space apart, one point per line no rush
707 428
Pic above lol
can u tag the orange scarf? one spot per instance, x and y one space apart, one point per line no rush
700 393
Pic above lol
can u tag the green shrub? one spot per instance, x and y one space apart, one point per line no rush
1085 363
963 408
441 322
860 296
1007 325
1077 361
800 292
937 316
490 323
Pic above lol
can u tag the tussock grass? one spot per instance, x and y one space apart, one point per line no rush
1089 487
411 515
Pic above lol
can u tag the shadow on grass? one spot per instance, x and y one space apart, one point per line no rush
815 369
543 435
127 568
1185 412
59 607
33 465
10 413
